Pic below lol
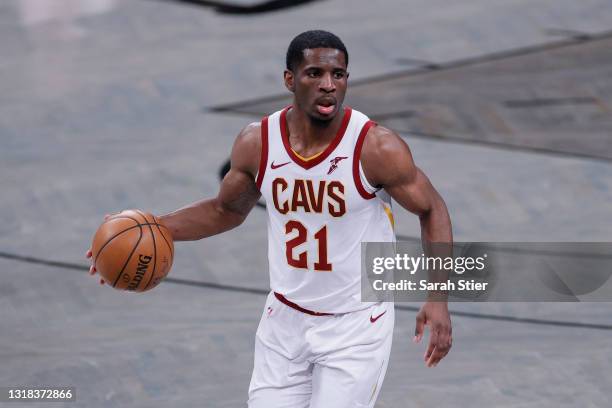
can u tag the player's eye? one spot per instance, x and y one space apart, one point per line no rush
312 74
338 74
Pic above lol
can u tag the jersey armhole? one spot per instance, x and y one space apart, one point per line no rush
361 183
263 160
364 181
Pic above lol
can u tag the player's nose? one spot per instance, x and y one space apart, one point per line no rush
327 83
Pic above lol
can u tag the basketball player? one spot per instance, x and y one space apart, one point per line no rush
326 173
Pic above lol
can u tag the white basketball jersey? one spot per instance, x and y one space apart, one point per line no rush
320 209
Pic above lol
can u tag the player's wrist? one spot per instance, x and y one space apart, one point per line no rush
437 297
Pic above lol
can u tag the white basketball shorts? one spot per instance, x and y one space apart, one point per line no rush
309 361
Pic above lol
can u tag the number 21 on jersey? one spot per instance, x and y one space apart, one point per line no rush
300 260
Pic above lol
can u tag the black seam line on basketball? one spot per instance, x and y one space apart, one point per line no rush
257 291
234 107
154 251
170 247
164 237
144 217
161 232
119 216
114 236
127 261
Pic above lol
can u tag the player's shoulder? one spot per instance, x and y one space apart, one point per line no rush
381 141
385 155
250 134
247 148
248 140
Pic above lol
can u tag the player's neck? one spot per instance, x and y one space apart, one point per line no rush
307 133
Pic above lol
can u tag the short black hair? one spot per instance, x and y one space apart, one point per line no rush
309 40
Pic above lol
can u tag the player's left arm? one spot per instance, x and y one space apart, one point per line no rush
387 162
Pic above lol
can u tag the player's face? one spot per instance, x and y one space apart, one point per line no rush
319 83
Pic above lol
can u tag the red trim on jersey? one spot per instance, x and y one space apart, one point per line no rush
298 307
263 161
356 157
307 164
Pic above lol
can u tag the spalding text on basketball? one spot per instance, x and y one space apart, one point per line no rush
143 264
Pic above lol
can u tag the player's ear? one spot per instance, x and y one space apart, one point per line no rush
289 80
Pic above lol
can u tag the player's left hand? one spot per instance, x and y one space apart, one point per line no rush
436 316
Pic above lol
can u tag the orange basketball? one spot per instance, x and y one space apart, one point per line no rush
132 251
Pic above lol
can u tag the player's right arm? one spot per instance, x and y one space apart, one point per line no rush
237 196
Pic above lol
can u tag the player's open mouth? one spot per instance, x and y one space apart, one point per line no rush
326 108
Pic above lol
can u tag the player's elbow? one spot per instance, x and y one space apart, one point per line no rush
235 220
228 218
436 202
435 220
437 207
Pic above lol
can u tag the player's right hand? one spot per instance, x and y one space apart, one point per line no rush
88 255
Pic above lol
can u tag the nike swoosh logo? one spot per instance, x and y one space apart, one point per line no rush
276 166
374 319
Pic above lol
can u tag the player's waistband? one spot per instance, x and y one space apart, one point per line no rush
299 308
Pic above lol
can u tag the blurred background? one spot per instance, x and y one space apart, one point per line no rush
108 104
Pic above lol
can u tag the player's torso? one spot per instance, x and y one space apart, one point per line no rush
319 211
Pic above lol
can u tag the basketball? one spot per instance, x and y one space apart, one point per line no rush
132 251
